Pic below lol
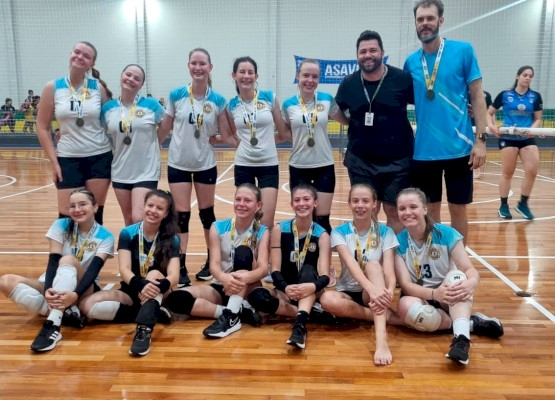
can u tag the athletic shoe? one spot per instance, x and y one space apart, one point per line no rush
319 316
459 349
523 210
249 316
333 277
504 212
486 326
204 273
298 336
183 277
141 341
164 317
268 278
47 338
72 317
226 324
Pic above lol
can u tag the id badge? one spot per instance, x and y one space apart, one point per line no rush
369 119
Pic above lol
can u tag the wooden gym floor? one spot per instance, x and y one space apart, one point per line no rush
255 363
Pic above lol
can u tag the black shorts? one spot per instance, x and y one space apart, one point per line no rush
428 176
266 176
357 297
207 177
78 170
386 184
220 290
322 178
130 186
519 144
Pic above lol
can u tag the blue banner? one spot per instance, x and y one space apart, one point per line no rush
333 71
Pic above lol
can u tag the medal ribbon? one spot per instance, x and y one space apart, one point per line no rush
412 249
197 117
431 82
126 122
300 257
312 124
371 241
74 238
74 96
145 262
377 89
232 239
246 116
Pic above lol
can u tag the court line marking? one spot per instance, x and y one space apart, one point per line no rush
25 192
512 285
11 178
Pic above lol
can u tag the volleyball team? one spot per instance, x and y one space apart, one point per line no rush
427 260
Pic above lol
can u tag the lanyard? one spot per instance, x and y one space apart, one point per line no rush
197 117
79 106
300 257
126 122
377 89
144 261
246 116
243 243
310 125
415 261
74 239
371 243
431 82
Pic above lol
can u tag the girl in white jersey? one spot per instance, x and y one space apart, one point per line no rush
366 285
253 114
132 122
84 155
79 246
239 259
195 112
437 278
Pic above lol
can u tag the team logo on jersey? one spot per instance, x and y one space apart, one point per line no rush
312 247
521 107
92 246
207 109
260 106
320 107
88 95
139 113
434 253
510 99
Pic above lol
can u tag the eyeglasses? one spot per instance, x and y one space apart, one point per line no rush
80 205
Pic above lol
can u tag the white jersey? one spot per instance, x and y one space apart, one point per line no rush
224 232
303 155
101 242
138 161
435 262
345 235
187 152
89 139
264 153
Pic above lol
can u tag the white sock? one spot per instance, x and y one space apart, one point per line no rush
461 326
219 311
56 317
234 303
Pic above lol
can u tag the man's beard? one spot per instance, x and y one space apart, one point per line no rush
375 67
429 38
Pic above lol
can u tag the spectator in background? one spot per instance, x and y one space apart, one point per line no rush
28 110
30 95
7 115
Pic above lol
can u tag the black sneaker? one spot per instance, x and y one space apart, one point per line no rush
249 316
141 341
298 336
226 324
47 338
72 317
486 326
184 277
164 317
459 349
204 273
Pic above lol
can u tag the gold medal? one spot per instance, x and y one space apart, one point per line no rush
80 122
310 142
127 140
254 141
197 133
430 94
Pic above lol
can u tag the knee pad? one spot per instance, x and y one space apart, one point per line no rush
126 314
183 218
104 310
263 301
65 279
243 258
29 299
99 216
454 276
308 274
207 216
423 318
324 222
148 313
180 302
